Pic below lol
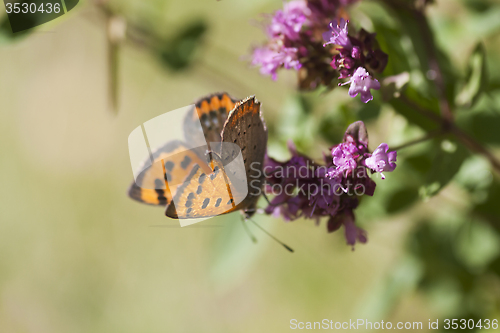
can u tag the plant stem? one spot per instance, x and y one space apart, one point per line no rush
451 127
426 137
475 146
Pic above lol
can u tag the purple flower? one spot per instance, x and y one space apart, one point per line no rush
351 231
361 83
381 160
344 157
270 60
288 22
338 34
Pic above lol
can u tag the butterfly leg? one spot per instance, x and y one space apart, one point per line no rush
247 230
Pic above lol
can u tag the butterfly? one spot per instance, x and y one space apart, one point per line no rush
221 177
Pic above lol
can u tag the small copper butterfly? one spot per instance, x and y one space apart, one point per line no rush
196 182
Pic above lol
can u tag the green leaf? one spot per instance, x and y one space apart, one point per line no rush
477 78
369 111
410 105
478 6
484 127
401 199
490 209
178 53
6 34
413 42
332 127
392 86
446 162
420 49
477 244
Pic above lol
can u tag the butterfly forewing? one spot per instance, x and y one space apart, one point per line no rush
171 165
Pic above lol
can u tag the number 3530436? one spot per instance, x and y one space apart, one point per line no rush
462 324
27 14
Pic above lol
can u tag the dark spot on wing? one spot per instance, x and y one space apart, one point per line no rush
191 196
230 201
213 115
204 120
169 165
214 174
202 178
217 203
198 191
205 203
185 162
159 184
189 211
161 196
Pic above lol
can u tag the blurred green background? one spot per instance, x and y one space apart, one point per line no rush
77 255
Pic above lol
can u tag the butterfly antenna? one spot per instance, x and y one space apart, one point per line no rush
276 239
265 197
249 233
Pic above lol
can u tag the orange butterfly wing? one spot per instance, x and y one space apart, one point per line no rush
211 112
246 128
172 164
203 194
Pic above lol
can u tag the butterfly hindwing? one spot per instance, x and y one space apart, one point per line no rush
171 165
203 194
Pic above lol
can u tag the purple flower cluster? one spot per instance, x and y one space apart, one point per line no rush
283 32
296 36
354 54
333 189
272 57
288 22
292 33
